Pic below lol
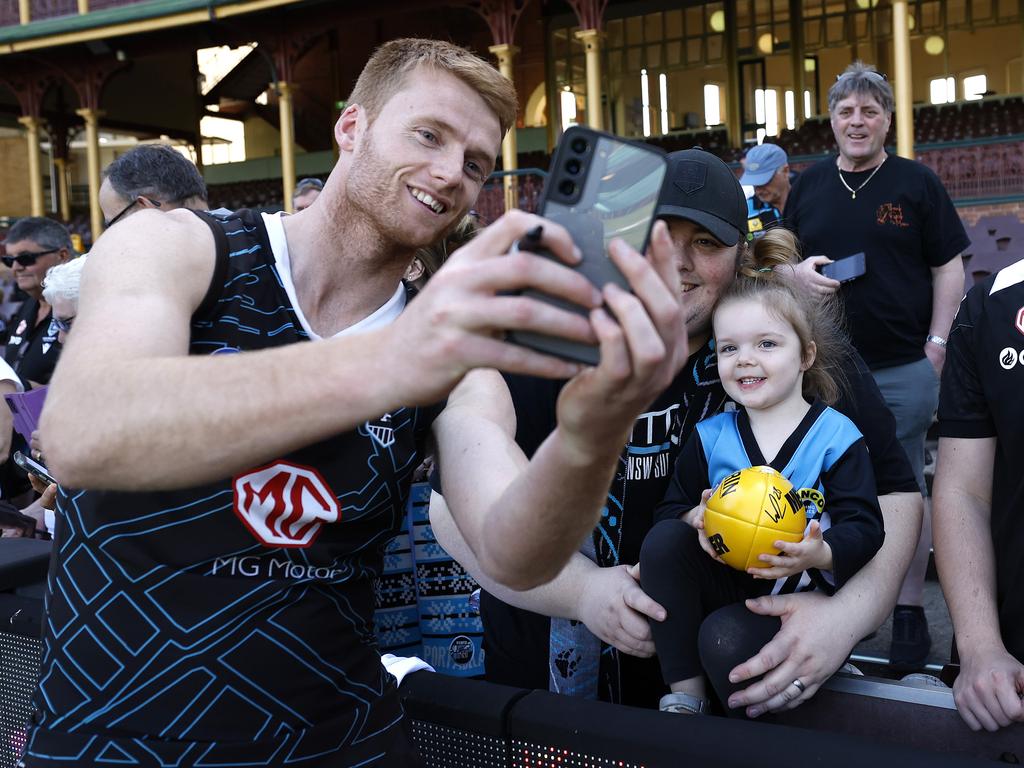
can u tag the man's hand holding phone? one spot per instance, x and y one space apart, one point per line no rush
809 277
643 343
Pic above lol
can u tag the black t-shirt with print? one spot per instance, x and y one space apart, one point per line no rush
981 386
905 224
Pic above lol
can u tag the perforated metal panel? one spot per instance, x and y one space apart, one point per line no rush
19 670
444 747
525 754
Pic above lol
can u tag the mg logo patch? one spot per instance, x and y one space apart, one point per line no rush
285 505
1020 320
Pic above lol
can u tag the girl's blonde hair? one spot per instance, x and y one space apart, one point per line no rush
765 273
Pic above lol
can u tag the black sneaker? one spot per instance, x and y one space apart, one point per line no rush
910 639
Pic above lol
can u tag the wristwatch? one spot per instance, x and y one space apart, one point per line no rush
936 340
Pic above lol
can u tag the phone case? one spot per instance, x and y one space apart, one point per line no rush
847 269
599 186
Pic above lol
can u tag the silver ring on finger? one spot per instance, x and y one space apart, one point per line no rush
800 686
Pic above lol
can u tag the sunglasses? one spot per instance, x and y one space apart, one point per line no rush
878 77
61 324
132 204
26 259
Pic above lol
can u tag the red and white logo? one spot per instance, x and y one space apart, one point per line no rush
1020 320
284 505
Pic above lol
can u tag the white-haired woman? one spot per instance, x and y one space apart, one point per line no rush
60 291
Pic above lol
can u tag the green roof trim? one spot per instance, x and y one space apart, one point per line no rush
147 9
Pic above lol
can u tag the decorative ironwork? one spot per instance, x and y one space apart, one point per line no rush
590 13
501 16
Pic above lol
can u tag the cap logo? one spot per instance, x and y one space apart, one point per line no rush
753 166
690 176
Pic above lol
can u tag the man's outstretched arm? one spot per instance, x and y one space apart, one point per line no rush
523 524
609 601
129 409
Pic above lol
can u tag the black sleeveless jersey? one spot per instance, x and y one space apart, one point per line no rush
229 624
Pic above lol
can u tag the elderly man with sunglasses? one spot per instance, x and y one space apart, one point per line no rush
33 246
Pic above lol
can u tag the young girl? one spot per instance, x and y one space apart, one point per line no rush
776 351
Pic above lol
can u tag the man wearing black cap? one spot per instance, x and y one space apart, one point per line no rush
598 644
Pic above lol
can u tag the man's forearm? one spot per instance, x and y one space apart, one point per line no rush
967 572
947 290
557 598
179 421
546 511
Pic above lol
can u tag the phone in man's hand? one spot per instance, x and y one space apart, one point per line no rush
31 465
845 270
599 187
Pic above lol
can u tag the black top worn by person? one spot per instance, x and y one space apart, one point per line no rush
517 641
32 350
982 382
230 624
905 224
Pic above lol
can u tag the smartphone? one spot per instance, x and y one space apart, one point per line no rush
599 187
33 466
845 270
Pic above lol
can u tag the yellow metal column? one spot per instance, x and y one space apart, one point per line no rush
733 119
509 152
83 6
904 85
591 39
25 11
35 180
64 201
284 101
92 138
796 42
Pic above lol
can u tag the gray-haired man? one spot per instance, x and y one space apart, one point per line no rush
899 215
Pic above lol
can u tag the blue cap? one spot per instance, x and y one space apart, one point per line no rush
761 163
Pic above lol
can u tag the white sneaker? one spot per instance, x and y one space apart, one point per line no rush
683 703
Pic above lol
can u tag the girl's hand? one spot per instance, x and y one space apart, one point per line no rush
695 517
812 552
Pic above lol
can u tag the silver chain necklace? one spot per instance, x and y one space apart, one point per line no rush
853 192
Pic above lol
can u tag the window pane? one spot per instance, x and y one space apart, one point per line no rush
974 87
652 27
673 53
712 105
634 30
614 29
693 51
674 24
653 56
716 49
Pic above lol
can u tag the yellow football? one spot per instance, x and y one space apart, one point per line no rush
748 512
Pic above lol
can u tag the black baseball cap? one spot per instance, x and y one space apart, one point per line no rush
701 188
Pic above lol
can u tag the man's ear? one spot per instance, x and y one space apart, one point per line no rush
415 270
347 127
810 353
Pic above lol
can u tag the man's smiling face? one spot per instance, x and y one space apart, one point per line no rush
706 268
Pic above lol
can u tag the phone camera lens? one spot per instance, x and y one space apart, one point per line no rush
573 166
567 188
579 146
